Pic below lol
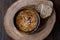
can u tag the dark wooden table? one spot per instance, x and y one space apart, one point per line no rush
5 4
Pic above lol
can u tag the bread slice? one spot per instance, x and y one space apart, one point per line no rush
45 9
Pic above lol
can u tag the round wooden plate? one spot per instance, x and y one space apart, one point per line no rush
15 34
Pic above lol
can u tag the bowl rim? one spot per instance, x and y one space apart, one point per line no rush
36 13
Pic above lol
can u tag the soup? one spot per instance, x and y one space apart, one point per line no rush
26 20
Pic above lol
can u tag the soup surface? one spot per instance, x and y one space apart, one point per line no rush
26 20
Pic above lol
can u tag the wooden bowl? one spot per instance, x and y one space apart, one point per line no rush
15 34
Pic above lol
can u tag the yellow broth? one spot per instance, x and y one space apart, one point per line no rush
26 20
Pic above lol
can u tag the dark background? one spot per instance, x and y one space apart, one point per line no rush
54 35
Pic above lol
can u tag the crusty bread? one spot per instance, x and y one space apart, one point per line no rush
45 9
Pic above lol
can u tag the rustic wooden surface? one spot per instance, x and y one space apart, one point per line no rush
4 5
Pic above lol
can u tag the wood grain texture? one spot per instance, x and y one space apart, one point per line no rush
4 4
